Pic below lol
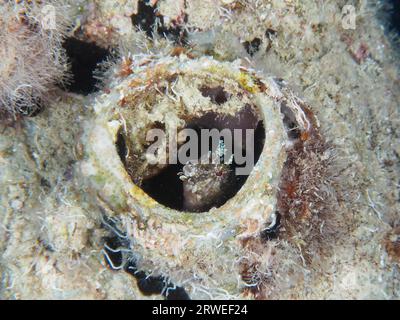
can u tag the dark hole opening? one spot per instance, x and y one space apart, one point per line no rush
168 189
394 17
45 184
290 123
115 257
270 33
84 58
217 95
146 20
148 285
252 46
272 231
121 147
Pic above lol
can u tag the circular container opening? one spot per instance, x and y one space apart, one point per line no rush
217 175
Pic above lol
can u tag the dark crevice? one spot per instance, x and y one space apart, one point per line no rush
175 34
121 147
145 19
389 15
148 20
217 95
178 293
84 58
116 257
272 231
148 285
270 33
45 184
394 17
168 189
290 123
252 46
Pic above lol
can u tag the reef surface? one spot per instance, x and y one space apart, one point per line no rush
84 214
